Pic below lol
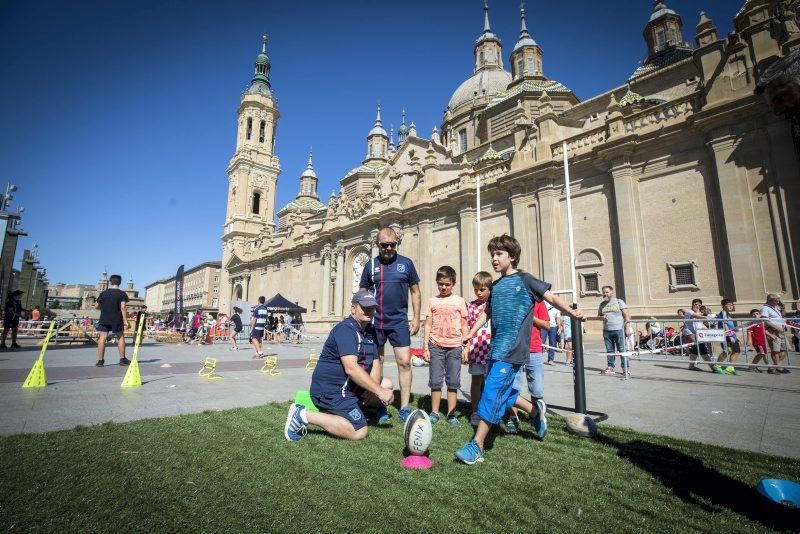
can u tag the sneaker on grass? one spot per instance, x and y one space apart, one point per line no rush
434 417
384 419
470 453
296 423
539 421
512 424
405 411
452 419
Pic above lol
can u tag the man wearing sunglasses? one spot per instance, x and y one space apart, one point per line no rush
390 277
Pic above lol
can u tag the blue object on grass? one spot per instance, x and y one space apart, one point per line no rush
780 491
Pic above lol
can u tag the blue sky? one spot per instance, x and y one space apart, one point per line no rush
118 118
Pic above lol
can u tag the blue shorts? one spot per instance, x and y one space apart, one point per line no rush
347 407
116 328
399 336
499 393
257 333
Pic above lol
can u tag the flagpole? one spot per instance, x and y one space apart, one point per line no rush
578 378
478 222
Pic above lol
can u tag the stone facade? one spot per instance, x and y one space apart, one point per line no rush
683 184
201 290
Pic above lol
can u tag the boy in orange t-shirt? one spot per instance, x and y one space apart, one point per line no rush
445 327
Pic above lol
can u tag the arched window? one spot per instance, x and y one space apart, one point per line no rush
256 203
261 131
249 128
520 66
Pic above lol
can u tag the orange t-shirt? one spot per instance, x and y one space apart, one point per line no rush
446 313
35 315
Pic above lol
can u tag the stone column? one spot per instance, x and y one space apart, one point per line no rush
741 253
246 286
423 259
629 233
339 295
520 229
325 308
547 234
466 232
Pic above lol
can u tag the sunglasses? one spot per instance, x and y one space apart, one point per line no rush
387 245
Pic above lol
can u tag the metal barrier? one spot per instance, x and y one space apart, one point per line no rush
670 342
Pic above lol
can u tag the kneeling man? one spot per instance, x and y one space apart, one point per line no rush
343 378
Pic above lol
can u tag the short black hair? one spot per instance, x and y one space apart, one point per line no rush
725 302
609 287
445 271
755 310
115 280
696 301
261 300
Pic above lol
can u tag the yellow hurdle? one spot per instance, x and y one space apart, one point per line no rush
37 377
133 378
209 367
270 363
313 358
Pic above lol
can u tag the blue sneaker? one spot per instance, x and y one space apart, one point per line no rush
512 424
452 419
384 419
470 453
434 417
539 421
405 411
295 428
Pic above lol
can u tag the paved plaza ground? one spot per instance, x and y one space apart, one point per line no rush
752 412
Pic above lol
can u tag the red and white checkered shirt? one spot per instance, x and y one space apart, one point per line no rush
480 344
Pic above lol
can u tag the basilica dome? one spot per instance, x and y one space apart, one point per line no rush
492 81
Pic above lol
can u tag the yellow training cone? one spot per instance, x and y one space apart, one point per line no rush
37 378
132 377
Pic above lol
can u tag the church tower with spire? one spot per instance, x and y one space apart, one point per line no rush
377 141
254 169
526 58
488 48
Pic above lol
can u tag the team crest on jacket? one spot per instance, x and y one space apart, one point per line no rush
401 268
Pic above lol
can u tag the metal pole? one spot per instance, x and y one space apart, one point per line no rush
478 222
578 377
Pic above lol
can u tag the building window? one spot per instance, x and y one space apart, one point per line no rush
216 278
481 58
589 284
216 289
660 37
256 203
673 37
519 68
682 276
314 305
214 303
249 127
261 131
462 140
531 70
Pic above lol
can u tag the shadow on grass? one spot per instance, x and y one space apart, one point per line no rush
697 484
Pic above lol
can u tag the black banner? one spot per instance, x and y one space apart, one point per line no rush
178 294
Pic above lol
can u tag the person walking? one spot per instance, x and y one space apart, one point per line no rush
113 310
391 277
12 313
236 327
775 326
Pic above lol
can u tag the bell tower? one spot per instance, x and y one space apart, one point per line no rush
254 169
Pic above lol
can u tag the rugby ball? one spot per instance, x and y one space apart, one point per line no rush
581 425
418 432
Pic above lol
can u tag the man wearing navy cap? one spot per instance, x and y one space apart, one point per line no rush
344 378
390 277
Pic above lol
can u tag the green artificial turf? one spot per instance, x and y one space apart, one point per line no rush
233 471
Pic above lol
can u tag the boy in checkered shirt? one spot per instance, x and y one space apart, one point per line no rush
476 352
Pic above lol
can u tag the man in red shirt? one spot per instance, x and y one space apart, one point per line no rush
534 370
